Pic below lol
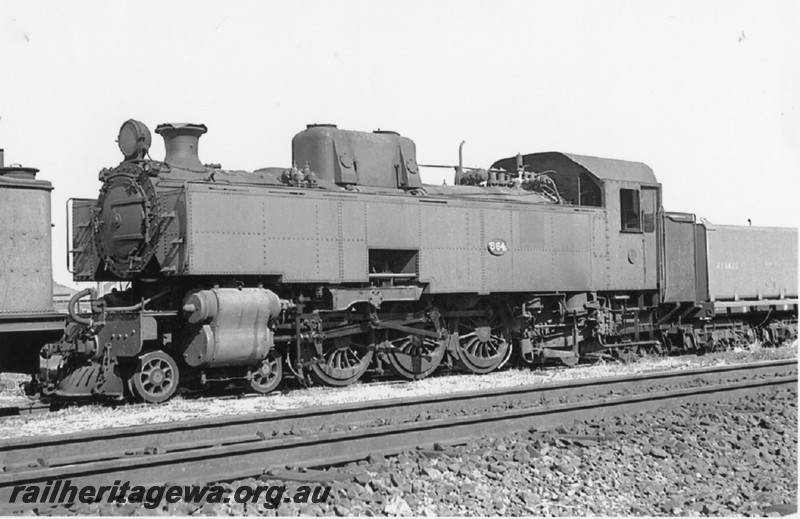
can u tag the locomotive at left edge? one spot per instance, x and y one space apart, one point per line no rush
27 317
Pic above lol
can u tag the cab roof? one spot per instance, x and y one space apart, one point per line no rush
603 169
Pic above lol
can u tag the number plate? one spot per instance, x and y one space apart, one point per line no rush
497 247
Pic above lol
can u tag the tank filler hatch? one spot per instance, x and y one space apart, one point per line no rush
381 159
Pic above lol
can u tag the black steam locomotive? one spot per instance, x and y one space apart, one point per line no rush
346 262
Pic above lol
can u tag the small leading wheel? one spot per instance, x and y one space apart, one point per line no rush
343 361
483 348
155 377
414 357
268 375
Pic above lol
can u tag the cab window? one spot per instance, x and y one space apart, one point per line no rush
649 204
629 210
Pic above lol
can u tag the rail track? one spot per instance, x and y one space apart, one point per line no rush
233 447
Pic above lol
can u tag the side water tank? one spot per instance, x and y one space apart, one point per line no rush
379 159
26 279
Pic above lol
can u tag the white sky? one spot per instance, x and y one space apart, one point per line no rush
705 93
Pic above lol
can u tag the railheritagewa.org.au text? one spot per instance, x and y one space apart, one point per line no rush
151 497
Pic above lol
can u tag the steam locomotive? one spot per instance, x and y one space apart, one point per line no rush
346 263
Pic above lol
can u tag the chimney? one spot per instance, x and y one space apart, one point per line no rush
181 140
2 158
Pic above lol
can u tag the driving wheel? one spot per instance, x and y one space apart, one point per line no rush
415 357
482 346
343 361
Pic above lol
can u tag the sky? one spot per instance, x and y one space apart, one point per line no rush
706 93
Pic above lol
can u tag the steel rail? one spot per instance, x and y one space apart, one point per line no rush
227 451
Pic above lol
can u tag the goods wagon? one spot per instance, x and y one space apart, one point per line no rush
747 263
726 285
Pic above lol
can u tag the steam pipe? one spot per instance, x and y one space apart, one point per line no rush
460 169
73 314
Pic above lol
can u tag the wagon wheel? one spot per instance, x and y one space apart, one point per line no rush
343 361
155 377
268 375
482 346
415 357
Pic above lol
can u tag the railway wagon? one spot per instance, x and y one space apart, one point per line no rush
27 318
726 285
751 263
752 278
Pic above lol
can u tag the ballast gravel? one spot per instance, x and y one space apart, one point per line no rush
728 459
700 459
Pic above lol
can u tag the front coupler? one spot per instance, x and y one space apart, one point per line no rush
84 362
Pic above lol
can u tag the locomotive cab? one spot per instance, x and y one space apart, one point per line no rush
631 198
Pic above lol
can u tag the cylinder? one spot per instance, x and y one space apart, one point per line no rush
234 326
